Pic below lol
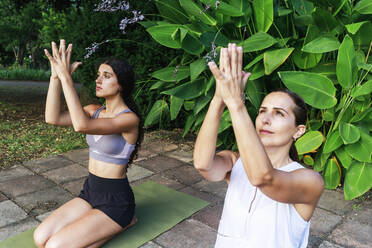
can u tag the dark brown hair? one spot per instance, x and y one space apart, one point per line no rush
300 112
126 79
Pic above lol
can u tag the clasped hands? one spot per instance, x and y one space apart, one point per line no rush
60 60
230 78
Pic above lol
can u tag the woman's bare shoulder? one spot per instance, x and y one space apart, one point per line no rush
91 108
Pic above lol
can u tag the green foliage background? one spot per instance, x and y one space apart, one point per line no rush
319 49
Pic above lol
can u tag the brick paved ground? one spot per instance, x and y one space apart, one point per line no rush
30 191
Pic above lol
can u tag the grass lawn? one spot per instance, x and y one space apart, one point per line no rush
23 133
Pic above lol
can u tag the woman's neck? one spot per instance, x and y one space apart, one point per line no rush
115 104
279 156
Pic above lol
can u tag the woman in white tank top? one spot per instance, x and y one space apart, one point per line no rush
271 197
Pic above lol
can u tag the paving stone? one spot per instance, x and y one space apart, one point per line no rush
66 173
210 215
45 164
14 172
326 244
150 245
160 163
136 172
160 146
74 187
217 188
334 201
43 216
181 154
43 201
202 195
23 185
144 153
184 174
363 214
9 231
352 234
77 155
323 222
85 163
162 180
10 212
188 234
3 197
314 241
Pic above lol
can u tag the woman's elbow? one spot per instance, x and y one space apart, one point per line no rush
263 179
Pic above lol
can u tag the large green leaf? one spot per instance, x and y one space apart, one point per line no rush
245 7
317 90
189 121
349 133
346 69
333 142
197 67
215 38
332 174
324 20
172 74
175 106
320 160
364 7
361 150
197 11
273 59
309 142
202 101
364 89
229 10
306 60
263 14
225 121
257 71
344 157
164 34
172 11
362 38
258 41
354 27
357 180
188 90
158 110
255 92
192 45
254 61
322 44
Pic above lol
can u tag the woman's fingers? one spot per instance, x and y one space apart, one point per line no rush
226 61
50 57
240 61
75 65
55 50
234 61
246 75
68 54
217 74
62 45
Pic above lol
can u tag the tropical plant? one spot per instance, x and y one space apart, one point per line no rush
322 50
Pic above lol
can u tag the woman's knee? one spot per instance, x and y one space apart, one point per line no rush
41 236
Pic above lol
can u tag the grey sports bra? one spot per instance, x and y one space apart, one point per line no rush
110 148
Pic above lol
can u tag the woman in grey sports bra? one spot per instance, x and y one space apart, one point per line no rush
105 206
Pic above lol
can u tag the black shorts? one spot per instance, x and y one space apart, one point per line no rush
114 197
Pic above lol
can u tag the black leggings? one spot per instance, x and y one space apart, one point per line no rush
114 197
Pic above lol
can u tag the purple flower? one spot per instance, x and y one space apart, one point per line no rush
92 48
217 3
211 55
108 6
137 16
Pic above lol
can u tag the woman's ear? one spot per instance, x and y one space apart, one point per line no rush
300 131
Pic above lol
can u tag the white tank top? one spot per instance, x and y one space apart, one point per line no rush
268 224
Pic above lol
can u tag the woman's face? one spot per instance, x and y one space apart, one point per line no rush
106 82
276 122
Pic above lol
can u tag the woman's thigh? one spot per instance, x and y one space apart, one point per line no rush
64 215
93 227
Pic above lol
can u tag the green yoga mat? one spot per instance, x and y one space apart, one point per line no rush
158 209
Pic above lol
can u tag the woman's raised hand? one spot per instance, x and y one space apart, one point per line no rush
60 61
230 79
